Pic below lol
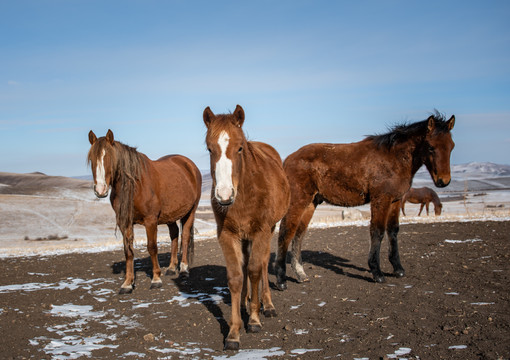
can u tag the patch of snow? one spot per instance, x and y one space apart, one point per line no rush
462 241
457 347
253 354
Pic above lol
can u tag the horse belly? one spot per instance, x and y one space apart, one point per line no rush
347 198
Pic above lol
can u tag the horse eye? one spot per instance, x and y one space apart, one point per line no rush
431 150
240 149
208 149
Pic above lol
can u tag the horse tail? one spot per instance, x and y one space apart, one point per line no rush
191 246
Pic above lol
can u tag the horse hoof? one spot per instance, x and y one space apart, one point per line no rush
231 345
156 284
379 279
171 272
125 290
281 286
253 328
302 279
270 313
184 274
399 273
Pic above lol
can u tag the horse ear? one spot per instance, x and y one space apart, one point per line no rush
92 137
239 116
431 123
451 122
208 116
109 136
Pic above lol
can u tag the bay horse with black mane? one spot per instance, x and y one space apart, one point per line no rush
148 193
377 170
423 196
250 194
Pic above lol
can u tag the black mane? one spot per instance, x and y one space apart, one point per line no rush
402 132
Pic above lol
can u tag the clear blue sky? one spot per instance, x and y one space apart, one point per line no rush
304 71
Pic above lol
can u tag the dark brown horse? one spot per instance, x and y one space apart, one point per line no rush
423 196
250 194
148 193
378 170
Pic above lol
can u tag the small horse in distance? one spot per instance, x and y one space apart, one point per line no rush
148 193
423 196
250 194
377 170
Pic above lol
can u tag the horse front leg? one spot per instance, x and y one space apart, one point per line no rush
151 228
421 208
173 228
129 280
392 228
264 248
233 254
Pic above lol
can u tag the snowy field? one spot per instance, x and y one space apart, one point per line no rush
50 215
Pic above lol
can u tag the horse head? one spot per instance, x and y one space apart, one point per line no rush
101 159
438 208
439 145
225 142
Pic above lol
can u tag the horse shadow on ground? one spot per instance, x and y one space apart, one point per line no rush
206 284
328 261
142 265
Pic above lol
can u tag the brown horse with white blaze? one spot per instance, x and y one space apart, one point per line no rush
250 194
378 170
423 196
148 193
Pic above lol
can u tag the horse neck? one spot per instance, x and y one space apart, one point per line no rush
249 162
411 153
128 165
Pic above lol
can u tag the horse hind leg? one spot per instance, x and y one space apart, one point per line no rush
174 237
379 214
187 244
392 229
288 229
296 260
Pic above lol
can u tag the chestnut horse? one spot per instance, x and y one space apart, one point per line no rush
148 193
378 170
250 194
423 196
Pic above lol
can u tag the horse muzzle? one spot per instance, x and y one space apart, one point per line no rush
440 182
225 197
101 191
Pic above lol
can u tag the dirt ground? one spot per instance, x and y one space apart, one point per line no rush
454 302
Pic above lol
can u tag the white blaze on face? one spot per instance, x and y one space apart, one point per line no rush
223 172
101 186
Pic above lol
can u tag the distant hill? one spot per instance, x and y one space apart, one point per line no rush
39 184
473 170
475 176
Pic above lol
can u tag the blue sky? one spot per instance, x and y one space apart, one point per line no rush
304 71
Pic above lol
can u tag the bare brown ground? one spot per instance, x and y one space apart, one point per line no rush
454 302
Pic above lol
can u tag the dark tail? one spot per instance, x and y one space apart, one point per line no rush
191 246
